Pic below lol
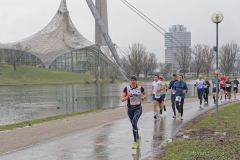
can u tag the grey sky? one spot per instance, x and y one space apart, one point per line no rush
22 18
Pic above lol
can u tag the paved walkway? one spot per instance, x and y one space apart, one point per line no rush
111 141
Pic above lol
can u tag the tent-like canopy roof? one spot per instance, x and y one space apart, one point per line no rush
58 37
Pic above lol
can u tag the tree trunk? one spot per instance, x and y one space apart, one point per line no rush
14 66
14 62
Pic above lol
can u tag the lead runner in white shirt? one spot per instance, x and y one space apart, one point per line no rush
156 92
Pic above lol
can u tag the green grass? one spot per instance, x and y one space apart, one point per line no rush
32 75
202 150
42 120
210 148
227 120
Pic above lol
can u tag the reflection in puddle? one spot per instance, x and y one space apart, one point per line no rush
158 134
137 154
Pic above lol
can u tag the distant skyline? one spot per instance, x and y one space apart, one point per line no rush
22 18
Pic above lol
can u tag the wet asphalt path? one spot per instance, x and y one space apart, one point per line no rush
111 141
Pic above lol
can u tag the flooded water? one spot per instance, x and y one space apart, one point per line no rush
19 103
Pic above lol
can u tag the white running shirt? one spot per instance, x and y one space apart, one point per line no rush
157 85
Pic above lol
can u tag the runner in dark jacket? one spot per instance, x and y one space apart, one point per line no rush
180 89
206 90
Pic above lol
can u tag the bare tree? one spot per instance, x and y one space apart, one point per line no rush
166 70
135 59
161 67
237 66
208 59
11 58
127 66
13 55
1 57
14 59
139 61
149 63
183 57
228 55
197 63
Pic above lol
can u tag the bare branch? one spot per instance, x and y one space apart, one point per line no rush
183 58
228 55
197 63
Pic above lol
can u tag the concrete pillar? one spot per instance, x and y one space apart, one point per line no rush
101 6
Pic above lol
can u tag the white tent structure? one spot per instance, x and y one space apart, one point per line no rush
59 46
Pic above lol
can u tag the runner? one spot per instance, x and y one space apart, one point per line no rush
206 90
134 95
222 85
200 83
222 77
215 80
164 92
173 97
235 87
180 89
228 88
157 95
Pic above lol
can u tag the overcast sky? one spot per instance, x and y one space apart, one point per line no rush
22 18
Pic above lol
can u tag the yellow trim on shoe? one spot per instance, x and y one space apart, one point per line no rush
135 145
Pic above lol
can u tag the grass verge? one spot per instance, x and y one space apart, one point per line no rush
42 120
211 136
27 75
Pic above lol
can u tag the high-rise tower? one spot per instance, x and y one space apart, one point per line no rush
101 6
177 37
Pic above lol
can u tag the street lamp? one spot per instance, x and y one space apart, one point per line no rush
217 18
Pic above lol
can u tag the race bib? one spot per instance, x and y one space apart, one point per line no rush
214 85
235 86
178 99
157 95
228 85
135 100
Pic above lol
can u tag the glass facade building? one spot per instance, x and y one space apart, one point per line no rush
59 46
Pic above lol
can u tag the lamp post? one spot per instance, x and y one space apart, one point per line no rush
217 18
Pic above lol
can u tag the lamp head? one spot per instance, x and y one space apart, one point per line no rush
217 17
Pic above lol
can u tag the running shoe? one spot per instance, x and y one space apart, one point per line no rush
135 145
164 108
160 111
155 116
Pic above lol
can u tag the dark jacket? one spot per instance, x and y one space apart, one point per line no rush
179 86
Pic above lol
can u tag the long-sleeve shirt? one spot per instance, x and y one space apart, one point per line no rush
179 87
207 85
235 83
171 85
